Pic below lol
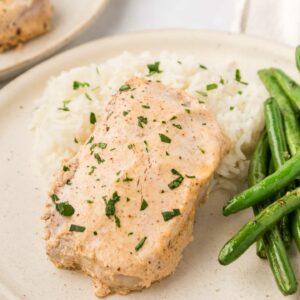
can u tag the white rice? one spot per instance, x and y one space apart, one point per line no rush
238 107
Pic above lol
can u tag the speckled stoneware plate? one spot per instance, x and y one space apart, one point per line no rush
69 19
26 273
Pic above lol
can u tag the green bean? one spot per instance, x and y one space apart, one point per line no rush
258 170
258 226
296 227
289 86
297 54
291 124
279 150
268 187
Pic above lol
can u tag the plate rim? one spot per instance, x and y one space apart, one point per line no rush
62 41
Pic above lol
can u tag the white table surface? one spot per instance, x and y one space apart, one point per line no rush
272 19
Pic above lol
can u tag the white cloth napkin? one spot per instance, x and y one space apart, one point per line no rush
273 19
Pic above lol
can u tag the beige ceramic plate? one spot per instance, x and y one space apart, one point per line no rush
70 18
26 273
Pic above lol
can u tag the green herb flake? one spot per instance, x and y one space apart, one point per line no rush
127 199
102 145
168 215
130 233
126 112
231 108
142 121
90 201
88 97
188 110
77 85
201 93
177 126
65 209
117 221
93 119
203 67
130 146
65 107
75 140
110 205
54 198
167 153
191 177
240 92
90 140
154 68
164 138
201 150
98 158
124 87
127 179
222 81
238 77
173 118
93 168
140 243
66 168
211 86
146 144
144 205
176 182
77 228
146 106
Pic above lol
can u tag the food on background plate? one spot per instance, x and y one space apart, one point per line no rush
122 210
273 174
23 20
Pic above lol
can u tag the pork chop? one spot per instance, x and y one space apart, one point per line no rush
134 187
22 20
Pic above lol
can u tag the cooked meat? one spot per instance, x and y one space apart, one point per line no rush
22 20
135 187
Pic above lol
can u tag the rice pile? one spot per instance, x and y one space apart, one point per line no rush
61 121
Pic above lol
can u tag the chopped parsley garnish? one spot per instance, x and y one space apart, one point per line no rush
93 119
164 138
127 199
126 112
65 107
54 198
117 221
201 149
173 118
77 85
188 110
75 140
77 228
118 173
238 77
65 209
211 86
240 92
92 148
191 177
110 205
95 232
176 182
90 140
154 68
131 96
144 204
130 233
142 120
98 158
146 144
88 97
130 146
202 93
127 179
66 168
203 67
102 145
168 215
140 243
177 126
90 201
124 87
167 153
222 81
93 168
231 108
146 106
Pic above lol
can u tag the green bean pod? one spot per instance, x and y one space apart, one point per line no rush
258 170
258 226
297 56
266 188
279 151
291 124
